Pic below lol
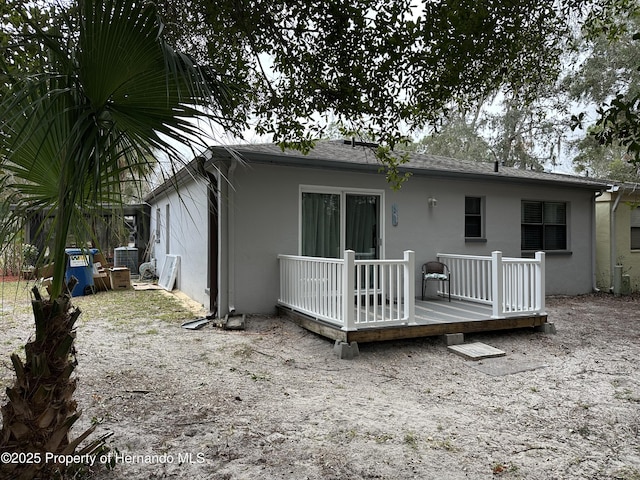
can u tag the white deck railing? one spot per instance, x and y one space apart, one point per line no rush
352 294
510 285
313 285
355 294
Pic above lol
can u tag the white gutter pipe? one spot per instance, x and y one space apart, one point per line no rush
594 281
612 231
231 237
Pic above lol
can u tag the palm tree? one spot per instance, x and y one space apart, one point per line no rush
103 94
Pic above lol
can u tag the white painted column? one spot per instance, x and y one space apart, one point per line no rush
348 290
497 282
541 287
410 286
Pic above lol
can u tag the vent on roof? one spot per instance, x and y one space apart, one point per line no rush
356 143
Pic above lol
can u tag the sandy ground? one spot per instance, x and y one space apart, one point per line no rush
275 402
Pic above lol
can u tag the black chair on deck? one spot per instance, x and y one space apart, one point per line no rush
436 271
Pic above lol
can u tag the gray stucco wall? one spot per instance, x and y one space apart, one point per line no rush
267 219
187 227
265 210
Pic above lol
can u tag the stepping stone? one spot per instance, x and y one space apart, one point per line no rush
476 351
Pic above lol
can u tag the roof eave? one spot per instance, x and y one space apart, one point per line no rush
314 162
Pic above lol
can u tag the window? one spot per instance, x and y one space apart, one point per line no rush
168 231
473 225
635 228
331 222
158 220
544 225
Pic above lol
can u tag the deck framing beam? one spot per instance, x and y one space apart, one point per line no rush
410 331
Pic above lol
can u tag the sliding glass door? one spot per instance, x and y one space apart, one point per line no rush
333 222
320 228
362 225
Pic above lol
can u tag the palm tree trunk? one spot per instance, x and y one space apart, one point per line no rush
40 410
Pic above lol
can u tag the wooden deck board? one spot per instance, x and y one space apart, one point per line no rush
447 312
432 317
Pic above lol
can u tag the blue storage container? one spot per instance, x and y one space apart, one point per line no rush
80 265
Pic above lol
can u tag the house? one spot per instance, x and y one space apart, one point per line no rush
618 238
239 217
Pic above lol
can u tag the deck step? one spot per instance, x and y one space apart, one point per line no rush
476 351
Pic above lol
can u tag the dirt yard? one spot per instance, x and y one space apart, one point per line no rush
275 402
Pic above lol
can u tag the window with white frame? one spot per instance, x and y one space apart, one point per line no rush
544 225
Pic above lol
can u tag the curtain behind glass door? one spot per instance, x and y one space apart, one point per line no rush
362 225
321 225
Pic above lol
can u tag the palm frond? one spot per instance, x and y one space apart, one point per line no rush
104 102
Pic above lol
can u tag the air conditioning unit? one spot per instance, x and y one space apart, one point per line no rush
126 257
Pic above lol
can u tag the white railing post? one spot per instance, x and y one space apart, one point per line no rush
409 286
348 290
497 283
541 284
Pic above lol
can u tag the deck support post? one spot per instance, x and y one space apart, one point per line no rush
348 290
346 351
409 286
497 282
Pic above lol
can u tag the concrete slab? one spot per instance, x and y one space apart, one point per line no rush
476 351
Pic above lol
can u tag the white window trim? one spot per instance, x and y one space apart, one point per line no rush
343 192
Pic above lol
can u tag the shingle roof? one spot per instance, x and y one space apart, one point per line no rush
342 155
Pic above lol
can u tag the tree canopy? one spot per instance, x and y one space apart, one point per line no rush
374 65
599 78
385 69
90 92
608 79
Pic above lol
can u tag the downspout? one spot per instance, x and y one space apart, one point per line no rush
612 236
231 236
594 282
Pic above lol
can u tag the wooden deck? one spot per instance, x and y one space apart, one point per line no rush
434 316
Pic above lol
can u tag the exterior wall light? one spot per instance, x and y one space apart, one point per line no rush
432 202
